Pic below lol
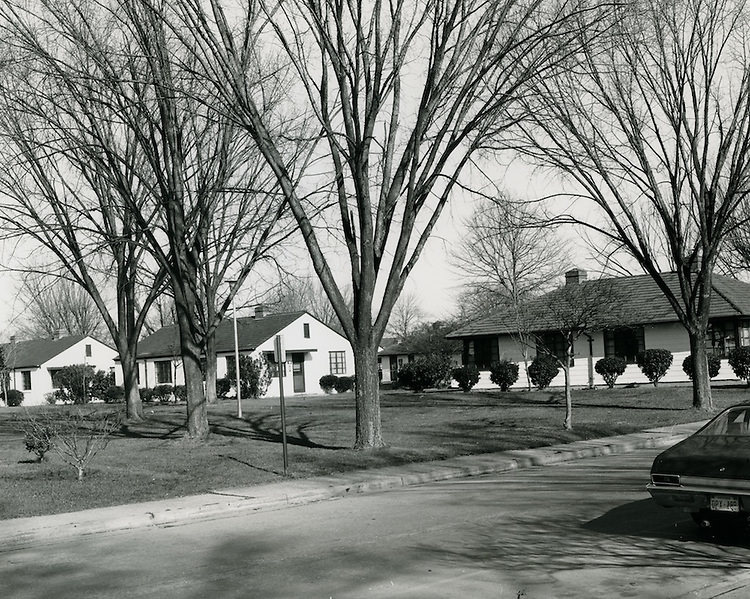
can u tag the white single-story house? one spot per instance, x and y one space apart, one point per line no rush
312 349
394 355
651 323
33 364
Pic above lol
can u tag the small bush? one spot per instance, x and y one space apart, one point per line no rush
255 375
114 394
739 360
162 393
146 394
14 398
654 364
610 368
714 365
328 382
466 377
180 393
75 382
430 371
344 384
38 440
542 370
222 387
504 374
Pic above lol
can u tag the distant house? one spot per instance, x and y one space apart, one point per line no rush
312 350
649 322
393 356
32 364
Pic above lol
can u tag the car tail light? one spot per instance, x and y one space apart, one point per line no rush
666 479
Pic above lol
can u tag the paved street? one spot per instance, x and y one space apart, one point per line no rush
580 529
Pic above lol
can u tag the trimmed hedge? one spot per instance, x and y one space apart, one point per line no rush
610 368
466 377
654 364
328 382
714 365
426 372
739 360
542 370
14 397
504 374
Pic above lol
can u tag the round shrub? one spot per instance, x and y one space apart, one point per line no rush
114 394
344 384
146 394
426 372
328 382
180 392
504 373
654 364
161 393
610 368
222 387
714 365
739 360
466 376
542 370
14 398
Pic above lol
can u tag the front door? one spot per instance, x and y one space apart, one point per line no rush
298 372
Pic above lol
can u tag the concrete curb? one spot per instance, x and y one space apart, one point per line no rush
227 502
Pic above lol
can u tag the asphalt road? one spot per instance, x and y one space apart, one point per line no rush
575 530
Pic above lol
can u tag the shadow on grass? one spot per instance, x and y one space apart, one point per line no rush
266 429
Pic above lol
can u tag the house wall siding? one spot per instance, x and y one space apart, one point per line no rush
322 339
671 336
102 358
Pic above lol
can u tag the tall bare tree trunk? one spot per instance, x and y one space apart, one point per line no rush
367 397
702 399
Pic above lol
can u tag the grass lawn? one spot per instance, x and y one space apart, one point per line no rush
154 461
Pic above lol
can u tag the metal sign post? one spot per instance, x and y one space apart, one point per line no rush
279 355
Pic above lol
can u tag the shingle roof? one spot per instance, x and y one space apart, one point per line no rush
392 347
251 332
640 297
34 353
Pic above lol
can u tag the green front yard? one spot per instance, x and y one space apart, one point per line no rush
154 461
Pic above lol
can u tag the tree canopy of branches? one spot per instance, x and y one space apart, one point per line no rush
161 172
406 316
509 252
400 97
651 123
55 306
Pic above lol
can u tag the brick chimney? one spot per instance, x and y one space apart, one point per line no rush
260 311
575 276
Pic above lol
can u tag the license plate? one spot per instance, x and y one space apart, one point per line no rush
725 503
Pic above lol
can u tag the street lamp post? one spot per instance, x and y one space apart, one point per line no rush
236 356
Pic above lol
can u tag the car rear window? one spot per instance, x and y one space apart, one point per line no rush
735 421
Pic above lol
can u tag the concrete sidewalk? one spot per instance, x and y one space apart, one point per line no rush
227 502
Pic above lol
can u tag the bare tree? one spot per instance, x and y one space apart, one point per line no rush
509 254
403 95
147 141
294 293
652 125
572 311
55 306
509 250
406 316
69 178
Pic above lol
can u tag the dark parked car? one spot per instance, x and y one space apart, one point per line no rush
708 474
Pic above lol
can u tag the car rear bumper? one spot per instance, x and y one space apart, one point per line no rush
698 497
